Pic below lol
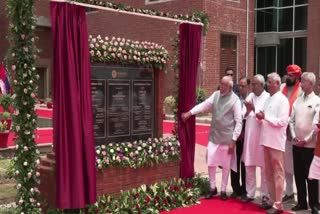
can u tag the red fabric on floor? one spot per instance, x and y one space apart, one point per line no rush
216 205
202 131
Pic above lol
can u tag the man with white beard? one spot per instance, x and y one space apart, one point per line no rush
253 156
226 125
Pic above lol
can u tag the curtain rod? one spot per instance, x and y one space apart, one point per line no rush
127 12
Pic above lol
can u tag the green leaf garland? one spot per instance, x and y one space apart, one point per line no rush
23 76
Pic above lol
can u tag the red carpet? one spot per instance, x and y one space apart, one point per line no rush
217 206
202 131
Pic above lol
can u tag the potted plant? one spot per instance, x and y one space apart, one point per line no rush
6 103
4 134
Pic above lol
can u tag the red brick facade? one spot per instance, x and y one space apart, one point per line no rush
226 17
313 42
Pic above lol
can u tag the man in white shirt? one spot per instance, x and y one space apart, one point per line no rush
252 150
274 120
304 141
226 125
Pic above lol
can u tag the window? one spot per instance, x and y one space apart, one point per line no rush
286 19
301 17
284 54
300 54
156 1
281 15
266 20
228 41
266 3
266 60
42 83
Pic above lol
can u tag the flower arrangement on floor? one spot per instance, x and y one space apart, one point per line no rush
127 52
149 199
138 153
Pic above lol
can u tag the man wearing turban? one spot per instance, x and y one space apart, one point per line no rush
291 89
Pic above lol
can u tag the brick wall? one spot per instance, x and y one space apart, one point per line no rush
228 18
313 42
109 181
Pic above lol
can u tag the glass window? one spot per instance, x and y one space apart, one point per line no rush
301 17
266 3
300 51
286 19
266 20
266 60
228 41
297 2
284 55
285 3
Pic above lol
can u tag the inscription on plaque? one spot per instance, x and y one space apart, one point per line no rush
118 107
141 107
98 91
123 103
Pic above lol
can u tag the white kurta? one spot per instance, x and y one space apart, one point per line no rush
253 154
314 171
217 154
275 122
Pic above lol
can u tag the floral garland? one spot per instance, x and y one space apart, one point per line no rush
21 62
127 52
137 154
197 16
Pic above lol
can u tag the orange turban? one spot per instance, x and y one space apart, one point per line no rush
294 70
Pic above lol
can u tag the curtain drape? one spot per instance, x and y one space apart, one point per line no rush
189 58
72 113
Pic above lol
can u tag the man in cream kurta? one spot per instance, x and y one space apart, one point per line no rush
274 121
252 155
304 141
225 129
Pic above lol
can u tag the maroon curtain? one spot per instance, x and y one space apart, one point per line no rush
72 113
190 41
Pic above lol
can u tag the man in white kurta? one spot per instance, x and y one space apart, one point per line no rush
225 129
274 120
252 155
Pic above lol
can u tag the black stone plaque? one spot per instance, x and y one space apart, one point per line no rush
123 103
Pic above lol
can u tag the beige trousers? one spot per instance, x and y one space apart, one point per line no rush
274 170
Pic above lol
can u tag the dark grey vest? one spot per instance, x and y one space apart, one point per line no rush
222 123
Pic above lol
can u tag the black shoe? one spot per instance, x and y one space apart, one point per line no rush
211 194
223 196
288 197
235 195
315 210
273 210
246 199
265 205
299 207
